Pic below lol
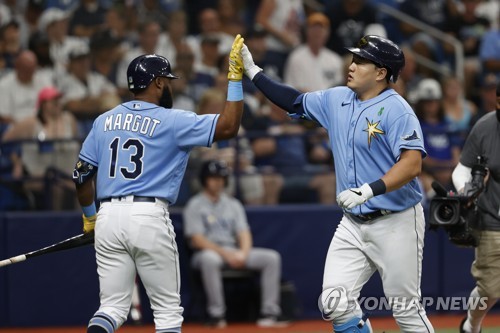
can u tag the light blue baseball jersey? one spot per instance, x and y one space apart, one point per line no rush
143 149
367 138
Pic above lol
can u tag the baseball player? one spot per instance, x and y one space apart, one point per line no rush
378 148
218 232
138 152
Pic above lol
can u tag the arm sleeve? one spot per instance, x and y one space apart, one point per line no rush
460 176
286 97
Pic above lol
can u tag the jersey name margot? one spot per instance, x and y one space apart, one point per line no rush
131 122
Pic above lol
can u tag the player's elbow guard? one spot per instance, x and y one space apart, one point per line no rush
83 172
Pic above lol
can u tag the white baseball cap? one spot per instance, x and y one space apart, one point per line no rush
79 51
376 29
50 16
429 89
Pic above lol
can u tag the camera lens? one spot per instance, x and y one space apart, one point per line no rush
445 212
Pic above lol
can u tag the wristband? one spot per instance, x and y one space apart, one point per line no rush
89 210
378 187
235 91
253 71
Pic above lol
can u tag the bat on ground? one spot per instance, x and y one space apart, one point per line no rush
70 243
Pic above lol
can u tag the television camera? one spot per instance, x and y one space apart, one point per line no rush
458 213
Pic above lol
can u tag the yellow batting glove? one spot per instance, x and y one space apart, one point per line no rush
235 60
89 223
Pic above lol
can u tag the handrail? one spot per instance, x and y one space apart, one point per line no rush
456 43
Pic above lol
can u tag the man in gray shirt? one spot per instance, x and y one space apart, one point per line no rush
484 140
216 227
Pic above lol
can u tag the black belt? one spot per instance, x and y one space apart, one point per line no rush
136 199
370 216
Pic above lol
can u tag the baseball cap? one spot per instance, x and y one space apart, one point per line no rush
318 18
79 51
376 29
50 16
428 90
47 94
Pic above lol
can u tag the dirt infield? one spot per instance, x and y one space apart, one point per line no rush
441 323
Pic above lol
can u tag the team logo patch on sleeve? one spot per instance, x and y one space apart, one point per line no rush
412 136
372 130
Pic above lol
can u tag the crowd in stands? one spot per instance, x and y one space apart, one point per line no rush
63 63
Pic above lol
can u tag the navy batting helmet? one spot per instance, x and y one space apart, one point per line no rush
383 52
215 169
143 69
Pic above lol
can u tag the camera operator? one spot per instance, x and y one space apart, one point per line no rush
484 140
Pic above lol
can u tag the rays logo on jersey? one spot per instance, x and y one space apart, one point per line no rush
412 136
372 129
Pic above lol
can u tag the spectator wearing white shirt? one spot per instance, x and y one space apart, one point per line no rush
86 93
49 122
54 22
175 35
282 19
311 66
19 88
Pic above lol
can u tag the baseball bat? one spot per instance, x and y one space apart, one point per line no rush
67 244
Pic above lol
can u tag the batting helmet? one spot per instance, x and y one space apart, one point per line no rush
143 69
213 168
383 52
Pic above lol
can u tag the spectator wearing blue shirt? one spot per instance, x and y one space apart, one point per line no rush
442 146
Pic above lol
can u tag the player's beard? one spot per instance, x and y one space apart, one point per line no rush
166 99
